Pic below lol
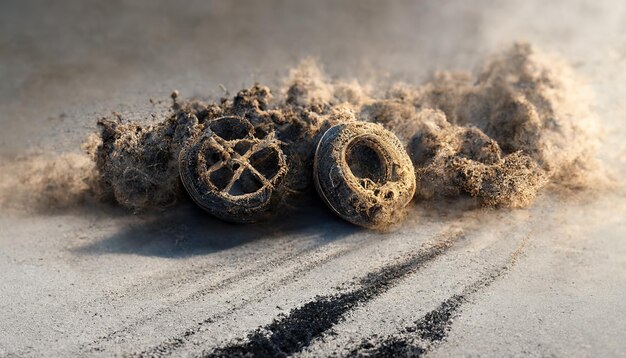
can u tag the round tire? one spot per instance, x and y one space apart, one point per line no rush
364 174
232 174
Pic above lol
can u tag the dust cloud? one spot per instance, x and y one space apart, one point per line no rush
521 123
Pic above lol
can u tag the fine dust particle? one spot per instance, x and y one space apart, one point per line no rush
42 182
500 135
451 160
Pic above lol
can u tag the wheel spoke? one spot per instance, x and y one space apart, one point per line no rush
218 144
234 178
256 147
258 175
215 167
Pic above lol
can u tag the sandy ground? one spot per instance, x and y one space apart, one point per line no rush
549 280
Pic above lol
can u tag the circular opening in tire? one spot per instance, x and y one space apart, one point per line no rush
232 174
364 174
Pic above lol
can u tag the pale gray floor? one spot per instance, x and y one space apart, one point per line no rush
104 282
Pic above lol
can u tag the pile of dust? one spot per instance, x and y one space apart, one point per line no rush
500 135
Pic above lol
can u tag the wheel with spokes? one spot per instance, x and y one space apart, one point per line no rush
231 173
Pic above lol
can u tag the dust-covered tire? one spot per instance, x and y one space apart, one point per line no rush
232 174
364 174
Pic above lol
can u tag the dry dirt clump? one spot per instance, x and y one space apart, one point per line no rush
527 102
137 163
522 122
519 124
450 160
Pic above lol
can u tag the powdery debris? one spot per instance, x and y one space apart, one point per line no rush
44 182
526 101
520 123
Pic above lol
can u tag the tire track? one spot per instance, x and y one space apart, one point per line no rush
432 328
96 345
291 333
169 278
170 345
181 222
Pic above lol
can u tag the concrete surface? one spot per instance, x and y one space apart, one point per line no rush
103 281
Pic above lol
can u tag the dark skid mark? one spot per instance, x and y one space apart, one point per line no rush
391 347
434 326
431 328
289 334
171 344
190 215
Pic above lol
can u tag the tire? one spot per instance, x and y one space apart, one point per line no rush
232 174
364 174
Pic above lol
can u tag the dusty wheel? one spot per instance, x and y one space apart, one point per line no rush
232 174
363 173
